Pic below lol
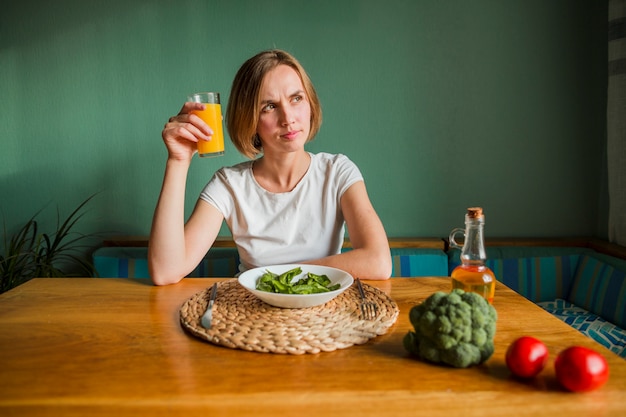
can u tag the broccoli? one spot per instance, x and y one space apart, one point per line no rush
455 328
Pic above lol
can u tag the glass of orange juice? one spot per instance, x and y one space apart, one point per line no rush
212 115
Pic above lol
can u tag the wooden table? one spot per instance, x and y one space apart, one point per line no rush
90 347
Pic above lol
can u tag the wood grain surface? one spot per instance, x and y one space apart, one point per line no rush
86 346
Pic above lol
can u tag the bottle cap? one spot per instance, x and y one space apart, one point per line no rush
475 212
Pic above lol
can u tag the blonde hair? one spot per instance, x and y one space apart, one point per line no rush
244 104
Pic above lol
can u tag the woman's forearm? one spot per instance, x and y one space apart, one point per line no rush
371 263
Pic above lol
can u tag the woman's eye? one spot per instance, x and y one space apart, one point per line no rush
268 107
297 98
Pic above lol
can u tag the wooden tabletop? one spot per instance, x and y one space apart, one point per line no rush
91 347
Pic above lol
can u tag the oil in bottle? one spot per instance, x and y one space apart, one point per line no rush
473 275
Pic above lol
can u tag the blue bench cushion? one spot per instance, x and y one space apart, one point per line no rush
121 262
519 252
508 252
419 262
591 325
131 262
538 278
600 288
219 262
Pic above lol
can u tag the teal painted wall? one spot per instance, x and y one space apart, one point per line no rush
442 104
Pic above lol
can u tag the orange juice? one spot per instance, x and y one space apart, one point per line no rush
212 115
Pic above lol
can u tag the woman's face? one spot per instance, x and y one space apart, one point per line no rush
285 119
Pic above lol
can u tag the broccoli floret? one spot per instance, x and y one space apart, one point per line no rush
455 328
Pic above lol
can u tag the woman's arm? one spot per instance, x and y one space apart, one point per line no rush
176 248
370 257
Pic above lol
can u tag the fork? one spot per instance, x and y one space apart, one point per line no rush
207 318
369 309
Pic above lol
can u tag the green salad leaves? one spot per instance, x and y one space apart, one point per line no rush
309 284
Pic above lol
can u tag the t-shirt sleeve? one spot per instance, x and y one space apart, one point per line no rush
347 174
216 193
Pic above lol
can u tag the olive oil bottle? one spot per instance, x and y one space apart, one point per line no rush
473 275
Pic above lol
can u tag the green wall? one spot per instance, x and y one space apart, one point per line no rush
442 104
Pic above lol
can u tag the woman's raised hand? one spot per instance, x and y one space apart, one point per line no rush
183 131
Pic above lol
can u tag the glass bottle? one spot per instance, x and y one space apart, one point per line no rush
472 275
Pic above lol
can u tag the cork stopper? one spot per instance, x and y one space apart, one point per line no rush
475 212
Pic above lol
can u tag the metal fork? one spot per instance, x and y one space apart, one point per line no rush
369 309
207 318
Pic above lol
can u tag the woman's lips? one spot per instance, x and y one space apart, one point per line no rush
291 135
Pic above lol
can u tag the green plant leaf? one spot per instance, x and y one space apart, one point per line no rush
29 253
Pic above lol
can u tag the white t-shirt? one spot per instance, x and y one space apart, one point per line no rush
279 228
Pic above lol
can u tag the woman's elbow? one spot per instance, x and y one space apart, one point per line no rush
160 276
162 279
159 280
380 267
162 268
386 266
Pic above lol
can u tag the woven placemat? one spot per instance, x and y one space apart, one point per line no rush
243 321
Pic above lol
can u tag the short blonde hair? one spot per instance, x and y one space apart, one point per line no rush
244 104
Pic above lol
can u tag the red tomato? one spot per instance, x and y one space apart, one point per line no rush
526 357
581 369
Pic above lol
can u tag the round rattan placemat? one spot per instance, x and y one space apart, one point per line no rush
242 321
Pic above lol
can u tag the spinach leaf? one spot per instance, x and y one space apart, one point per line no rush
284 283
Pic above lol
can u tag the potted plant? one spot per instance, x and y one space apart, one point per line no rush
30 253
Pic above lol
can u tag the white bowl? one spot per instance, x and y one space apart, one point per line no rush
249 280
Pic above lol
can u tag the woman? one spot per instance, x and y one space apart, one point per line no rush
284 206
